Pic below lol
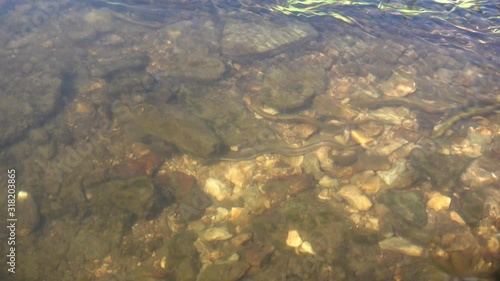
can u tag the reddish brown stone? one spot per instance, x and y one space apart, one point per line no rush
136 167
299 184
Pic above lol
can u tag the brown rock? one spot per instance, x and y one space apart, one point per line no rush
256 253
143 165
241 239
192 201
299 184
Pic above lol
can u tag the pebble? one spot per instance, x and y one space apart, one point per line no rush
401 246
328 182
306 247
373 223
388 147
83 108
439 202
220 216
480 173
493 245
100 19
256 253
344 158
400 175
324 194
466 148
217 189
216 234
352 194
361 138
27 214
294 162
397 86
163 262
240 173
241 239
299 184
48 44
369 181
113 40
391 115
293 240
457 218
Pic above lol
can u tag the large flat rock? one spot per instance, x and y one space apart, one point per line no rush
189 133
187 50
260 38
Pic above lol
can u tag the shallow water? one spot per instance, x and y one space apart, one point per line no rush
250 140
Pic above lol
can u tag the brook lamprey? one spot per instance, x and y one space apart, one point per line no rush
291 118
440 129
286 150
398 101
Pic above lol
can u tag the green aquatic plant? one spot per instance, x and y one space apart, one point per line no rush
436 8
440 129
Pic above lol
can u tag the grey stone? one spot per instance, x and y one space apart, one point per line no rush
400 175
26 102
224 272
261 38
292 85
256 253
134 196
407 205
27 214
117 64
196 67
188 50
187 132
473 204
444 170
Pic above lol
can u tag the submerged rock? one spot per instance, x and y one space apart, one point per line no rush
119 64
402 246
407 205
187 50
291 85
397 86
196 67
438 202
26 102
256 253
326 105
400 175
183 258
231 271
192 201
216 234
27 213
217 189
84 29
473 203
260 38
354 197
135 196
369 181
444 170
278 190
293 239
481 172
187 132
